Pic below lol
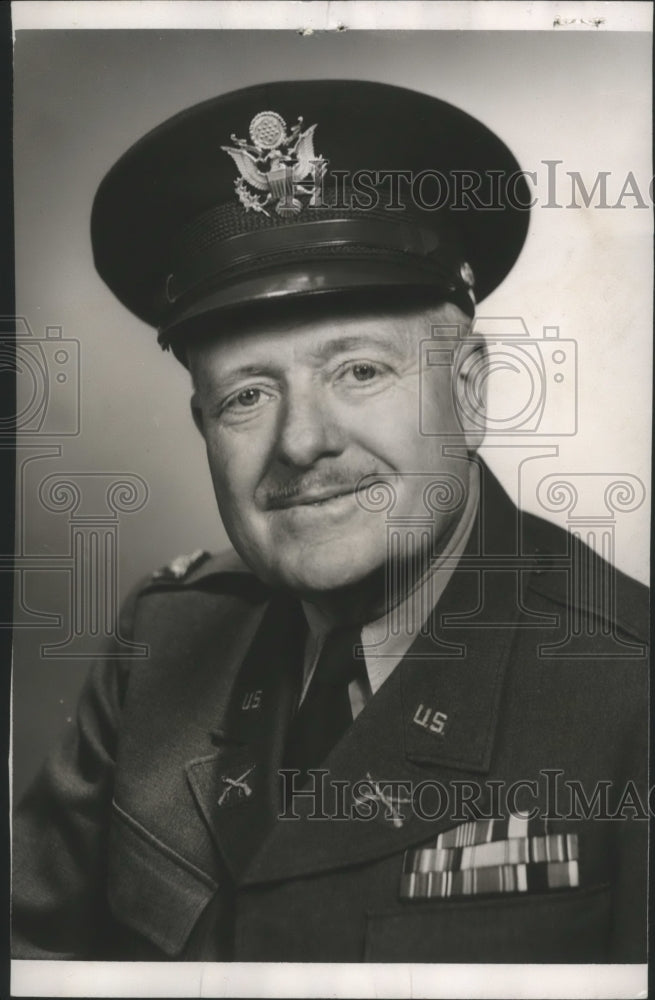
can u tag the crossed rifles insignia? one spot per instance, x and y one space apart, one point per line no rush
239 786
276 161
391 804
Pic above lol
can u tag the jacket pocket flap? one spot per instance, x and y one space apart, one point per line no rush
558 926
151 888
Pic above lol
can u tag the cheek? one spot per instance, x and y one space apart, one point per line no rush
391 426
236 463
389 416
227 472
437 406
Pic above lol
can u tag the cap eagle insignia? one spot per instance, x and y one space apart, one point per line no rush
276 161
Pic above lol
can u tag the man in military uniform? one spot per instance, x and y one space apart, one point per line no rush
390 726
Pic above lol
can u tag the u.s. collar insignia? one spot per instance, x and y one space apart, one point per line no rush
276 161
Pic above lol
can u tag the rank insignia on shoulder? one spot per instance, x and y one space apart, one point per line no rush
181 566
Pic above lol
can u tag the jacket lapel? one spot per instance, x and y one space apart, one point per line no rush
433 722
237 788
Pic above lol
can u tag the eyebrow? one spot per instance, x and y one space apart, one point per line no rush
341 345
233 376
239 371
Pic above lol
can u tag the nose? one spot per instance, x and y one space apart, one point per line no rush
309 427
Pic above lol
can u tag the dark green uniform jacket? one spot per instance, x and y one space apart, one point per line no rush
153 831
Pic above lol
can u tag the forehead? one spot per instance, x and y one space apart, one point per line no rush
309 333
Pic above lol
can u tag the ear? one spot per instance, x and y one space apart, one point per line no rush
471 373
196 413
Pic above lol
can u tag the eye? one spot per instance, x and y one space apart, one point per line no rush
374 374
364 371
248 397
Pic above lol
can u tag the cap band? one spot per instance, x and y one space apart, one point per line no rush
243 249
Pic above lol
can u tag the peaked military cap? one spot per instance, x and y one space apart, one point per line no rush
302 188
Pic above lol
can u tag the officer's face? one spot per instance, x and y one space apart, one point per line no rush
295 414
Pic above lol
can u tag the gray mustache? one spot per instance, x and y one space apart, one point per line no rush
347 480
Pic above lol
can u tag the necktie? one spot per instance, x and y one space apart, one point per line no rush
325 713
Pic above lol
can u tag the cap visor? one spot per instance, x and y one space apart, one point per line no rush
307 279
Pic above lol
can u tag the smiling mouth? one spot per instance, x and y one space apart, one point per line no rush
320 498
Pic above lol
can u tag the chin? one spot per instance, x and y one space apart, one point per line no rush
325 574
